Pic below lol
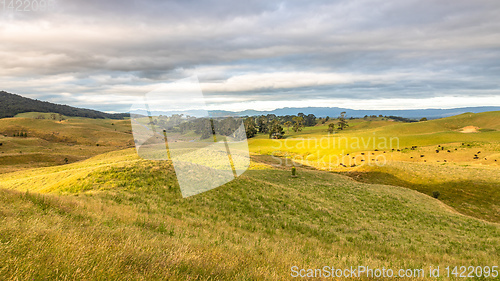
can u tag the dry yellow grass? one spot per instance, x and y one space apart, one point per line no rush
120 217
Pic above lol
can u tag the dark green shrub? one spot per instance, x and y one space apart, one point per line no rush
436 194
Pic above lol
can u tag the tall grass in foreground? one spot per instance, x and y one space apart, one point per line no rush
128 221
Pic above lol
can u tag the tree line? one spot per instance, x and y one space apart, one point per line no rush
272 125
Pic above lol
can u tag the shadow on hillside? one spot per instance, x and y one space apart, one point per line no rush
474 198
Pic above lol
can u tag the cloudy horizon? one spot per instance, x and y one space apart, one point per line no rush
262 55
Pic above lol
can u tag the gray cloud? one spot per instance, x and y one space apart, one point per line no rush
89 50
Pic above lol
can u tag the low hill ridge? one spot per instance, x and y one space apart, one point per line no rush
12 104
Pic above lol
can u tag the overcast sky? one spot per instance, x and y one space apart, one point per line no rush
361 54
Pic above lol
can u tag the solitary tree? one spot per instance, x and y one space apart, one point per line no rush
342 121
331 127
310 120
206 128
299 123
250 129
288 124
275 130
262 124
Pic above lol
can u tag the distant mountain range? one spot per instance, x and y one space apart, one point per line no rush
12 104
335 112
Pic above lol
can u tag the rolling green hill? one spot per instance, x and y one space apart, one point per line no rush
12 104
116 216
469 185
51 142
463 167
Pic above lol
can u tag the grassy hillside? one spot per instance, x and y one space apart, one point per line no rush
434 132
463 167
116 216
469 185
471 190
52 142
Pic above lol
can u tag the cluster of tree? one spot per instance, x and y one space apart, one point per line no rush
250 128
402 119
11 104
20 134
373 116
174 123
273 125
397 118
206 127
53 116
269 124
